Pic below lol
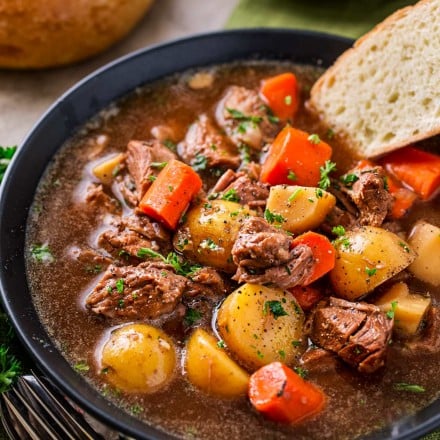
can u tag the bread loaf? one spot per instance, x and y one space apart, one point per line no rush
384 93
46 33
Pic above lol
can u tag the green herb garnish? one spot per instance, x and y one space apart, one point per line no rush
349 179
314 139
271 217
192 316
412 388
6 154
42 253
324 181
274 307
10 368
370 271
231 195
199 163
391 313
81 367
291 175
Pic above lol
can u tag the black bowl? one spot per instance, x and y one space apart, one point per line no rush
59 123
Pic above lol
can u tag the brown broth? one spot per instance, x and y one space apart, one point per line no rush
356 404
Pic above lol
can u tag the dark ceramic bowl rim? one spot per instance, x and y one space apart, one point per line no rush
75 107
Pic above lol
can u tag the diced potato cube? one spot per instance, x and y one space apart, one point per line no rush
425 240
407 308
105 170
302 208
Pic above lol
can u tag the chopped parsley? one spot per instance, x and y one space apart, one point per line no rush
152 178
288 100
338 230
404 246
324 181
221 344
314 139
296 343
170 188
158 165
95 269
291 176
192 316
240 116
170 144
294 195
6 154
199 163
412 388
231 195
136 409
391 313
370 271
275 307
349 179
245 154
81 367
180 266
271 217
282 354
318 193
42 253
301 372
208 243
330 134
120 286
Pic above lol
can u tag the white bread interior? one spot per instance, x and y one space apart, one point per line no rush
384 93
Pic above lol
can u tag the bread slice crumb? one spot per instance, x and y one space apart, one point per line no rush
384 93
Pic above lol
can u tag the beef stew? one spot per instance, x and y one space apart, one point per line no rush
106 264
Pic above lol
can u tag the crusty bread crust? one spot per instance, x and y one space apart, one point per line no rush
384 93
46 33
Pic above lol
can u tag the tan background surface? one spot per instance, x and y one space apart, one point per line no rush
24 96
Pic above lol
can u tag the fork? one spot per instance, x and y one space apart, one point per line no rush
34 409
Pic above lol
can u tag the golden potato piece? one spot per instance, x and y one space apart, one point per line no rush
425 240
105 170
209 232
210 368
261 325
302 208
408 309
365 259
139 358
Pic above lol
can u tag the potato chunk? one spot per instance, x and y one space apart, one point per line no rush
365 259
209 232
210 368
261 325
139 358
302 208
425 240
105 170
407 308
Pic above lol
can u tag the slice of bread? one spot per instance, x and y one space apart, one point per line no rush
384 93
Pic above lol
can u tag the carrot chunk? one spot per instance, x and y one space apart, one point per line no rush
306 296
403 198
324 255
282 395
170 194
281 95
415 168
295 158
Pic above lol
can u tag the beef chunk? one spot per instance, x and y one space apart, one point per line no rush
249 191
146 291
428 342
141 156
263 254
207 282
132 233
100 202
358 332
370 195
318 360
244 118
205 148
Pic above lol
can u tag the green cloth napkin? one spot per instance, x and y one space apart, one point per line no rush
350 18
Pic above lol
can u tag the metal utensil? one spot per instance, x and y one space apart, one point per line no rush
34 409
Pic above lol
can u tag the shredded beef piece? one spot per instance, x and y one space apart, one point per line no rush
263 254
318 360
205 148
98 200
428 342
91 258
133 233
358 333
140 156
145 291
250 125
370 195
207 282
249 191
